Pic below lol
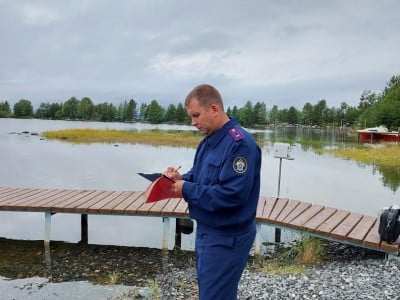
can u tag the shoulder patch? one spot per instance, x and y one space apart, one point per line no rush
236 134
240 165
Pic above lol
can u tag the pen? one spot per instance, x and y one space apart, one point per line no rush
177 169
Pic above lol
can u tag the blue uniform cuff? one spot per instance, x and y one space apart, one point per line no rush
187 191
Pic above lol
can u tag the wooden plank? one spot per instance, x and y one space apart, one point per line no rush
287 209
270 204
32 202
361 230
3 189
318 219
6 191
135 206
56 204
260 207
122 207
170 207
37 205
299 209
181 209
391 248
344 228
20 200
70 204
97 206
145 207
11 192
372 240
52 203
330 224
18 195
108 208
338 224
158 207
65 202
305 216
83 205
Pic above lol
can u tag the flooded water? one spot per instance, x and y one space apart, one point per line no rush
29 161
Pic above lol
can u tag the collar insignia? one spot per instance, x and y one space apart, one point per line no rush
236 134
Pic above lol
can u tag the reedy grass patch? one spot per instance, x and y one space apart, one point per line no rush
382 155
307 251
155 137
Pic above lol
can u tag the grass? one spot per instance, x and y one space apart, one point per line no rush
278 268
154 288
114 277
154 292
155 137
382 154
308 251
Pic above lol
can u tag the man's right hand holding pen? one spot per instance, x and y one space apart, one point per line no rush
173 173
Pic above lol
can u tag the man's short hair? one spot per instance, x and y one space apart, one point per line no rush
206 95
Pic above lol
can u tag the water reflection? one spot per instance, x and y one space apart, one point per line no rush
390 176
316 139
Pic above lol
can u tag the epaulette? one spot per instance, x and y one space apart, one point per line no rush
236 134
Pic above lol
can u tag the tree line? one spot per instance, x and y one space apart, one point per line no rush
373 109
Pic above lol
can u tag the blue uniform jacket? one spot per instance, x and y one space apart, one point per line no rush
222 188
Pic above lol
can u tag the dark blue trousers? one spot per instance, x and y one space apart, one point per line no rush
220 261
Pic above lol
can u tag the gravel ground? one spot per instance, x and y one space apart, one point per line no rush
347 273
110 272
367 279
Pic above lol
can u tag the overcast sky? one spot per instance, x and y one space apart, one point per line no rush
283 53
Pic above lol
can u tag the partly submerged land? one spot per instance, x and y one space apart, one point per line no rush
381 154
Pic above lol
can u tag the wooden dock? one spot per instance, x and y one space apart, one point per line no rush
316 220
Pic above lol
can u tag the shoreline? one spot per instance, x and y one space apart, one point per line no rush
347 273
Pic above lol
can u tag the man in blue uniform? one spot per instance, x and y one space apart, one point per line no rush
222 192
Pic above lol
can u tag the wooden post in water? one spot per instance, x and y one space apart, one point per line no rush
178 234
84 229
184 226
277 235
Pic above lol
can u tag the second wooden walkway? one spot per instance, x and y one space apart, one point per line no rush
317 220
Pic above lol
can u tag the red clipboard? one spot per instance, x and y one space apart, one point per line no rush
160 189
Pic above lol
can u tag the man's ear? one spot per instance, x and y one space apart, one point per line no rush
214 108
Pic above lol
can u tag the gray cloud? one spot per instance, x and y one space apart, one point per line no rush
284 53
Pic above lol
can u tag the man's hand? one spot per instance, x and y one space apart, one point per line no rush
173 173
177 187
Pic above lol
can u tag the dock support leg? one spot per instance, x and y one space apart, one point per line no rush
178 234
257 246
84 229
165 233
47 217
47 226
277 235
